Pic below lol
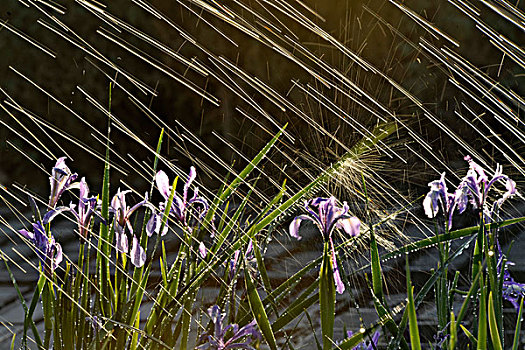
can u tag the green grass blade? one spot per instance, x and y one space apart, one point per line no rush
415 342
482 316
493 325
28 318
453 332
517 330
327 297
470 336
258 311
241 177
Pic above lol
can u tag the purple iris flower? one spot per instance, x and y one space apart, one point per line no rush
234 262
49 252
328 217
87 207
122 214
437 197
512 291
366 345
61 179
241 338
180 206
476 184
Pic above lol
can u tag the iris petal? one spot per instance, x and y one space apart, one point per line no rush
138 255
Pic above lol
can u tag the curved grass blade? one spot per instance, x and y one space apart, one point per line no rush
258 311
415 342
517 330
493 325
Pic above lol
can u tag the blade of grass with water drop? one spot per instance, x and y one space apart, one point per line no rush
493 325
453 332
517 330
482 315
427 287
415 342
470 336
258 311
327 297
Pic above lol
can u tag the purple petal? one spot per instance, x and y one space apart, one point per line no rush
138 255
163 184
152 224
191 177
350 225
50 215
202 250
58 256
84 189
339 285
121 239
294 227
429 206
27 234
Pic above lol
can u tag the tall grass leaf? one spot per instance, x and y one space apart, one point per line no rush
28 317
415 342
13 341
427 287
327 297
517 330
258 311
470 336
377 276
482 316
493 325
103 251
453 332
241 176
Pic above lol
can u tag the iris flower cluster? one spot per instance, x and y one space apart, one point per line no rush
327 216
229 337
473 188
62 179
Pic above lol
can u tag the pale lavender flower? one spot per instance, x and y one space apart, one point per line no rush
478 184
180 206
328 217
49 252
438 197
122 214
87 207
367 344
61 179
241 338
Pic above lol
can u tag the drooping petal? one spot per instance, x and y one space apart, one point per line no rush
58 256
191 177
121 242
350 225
152 224
294 225
27 234
50 215
138 255
339 285
202 250
163 184
430 206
